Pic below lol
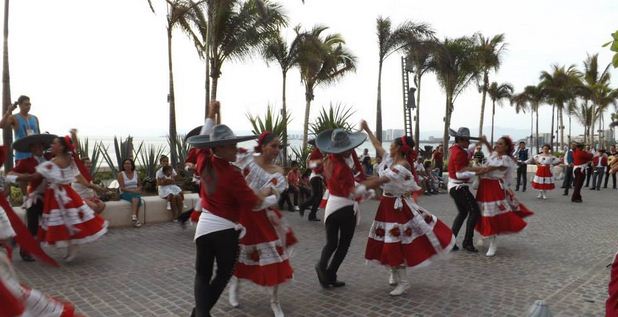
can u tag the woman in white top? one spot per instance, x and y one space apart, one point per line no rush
168 189
130 189
543 179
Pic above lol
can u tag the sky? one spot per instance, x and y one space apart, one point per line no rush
101 66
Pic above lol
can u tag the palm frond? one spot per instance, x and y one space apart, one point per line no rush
271 121
332 118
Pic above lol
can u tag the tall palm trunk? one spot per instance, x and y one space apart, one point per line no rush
214 86
207 58
172 102
485 84
447 124
537 129
531 129
7 134
493 114
417 132
379 104
284 114
561 126
308 98
553 115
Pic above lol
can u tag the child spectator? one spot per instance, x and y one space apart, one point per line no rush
168 189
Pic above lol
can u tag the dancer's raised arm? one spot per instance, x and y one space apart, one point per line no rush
374 141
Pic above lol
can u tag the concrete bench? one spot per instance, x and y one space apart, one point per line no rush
118 213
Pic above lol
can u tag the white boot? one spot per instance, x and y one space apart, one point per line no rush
403 283
233 291
274 303
71 252
393 278
540 195
543 193
493 247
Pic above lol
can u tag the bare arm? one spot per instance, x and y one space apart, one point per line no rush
8 120
374 141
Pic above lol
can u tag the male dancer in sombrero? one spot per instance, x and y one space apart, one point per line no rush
35 145
460 175
341 212
224 195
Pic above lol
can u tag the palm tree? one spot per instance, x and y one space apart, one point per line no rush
559 86
7 134
180 13
453 62
276 49
418 54
595 87
498 93
238 29
521 102
389 42
535 97
321 60
489 58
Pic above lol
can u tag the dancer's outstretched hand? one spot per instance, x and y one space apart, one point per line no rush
363 125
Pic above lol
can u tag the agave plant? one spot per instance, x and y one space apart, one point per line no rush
182 148
300 155
333 118
123 150
94 156
271 121
149 161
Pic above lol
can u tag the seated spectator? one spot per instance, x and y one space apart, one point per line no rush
305 185
130 189
432 181
375 166
87 190
168 190
423 181
293 189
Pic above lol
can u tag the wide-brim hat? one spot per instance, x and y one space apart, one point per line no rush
462 132
194 131
338 140
220 135
24 144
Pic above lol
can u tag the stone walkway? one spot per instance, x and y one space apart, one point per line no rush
561 257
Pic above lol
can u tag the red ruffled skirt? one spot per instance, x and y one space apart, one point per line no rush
543 179
405 236
67 218
263 257
518 208
497 217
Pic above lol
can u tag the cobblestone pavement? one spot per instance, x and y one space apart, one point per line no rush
561 257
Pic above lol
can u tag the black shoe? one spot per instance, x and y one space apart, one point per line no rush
322 277
337 284
565 194
598 189
516 189
301 212
26 257
455 248
314 219
592 188
576 201
523 190
470 248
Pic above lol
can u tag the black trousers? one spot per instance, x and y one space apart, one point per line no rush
522 170
220 246
589 171
33 214
285 197
577 184
317 191
466 207
568 179
340 227
607 175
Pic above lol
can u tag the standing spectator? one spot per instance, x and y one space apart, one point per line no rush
23 123
599 162
437 157
568 175
366 162
130 189
168 190
293 188
612 153
521 155
479 156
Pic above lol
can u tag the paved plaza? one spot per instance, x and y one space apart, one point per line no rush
561 257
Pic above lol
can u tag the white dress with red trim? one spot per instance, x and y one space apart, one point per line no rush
264 256
403 233
6 231
497 215
65 215
544 179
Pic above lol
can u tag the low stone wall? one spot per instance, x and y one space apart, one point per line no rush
118 213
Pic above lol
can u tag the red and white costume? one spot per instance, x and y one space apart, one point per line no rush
263 257
66 218
544 179
403 234
611 305
497 214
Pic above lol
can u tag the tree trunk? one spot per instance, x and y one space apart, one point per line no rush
207 58
537 130
551 141
213 88
493 114
569 139
379 105
560 109
172 102
485 83
417 131
447 124
7 134
284 114
531 129
308 98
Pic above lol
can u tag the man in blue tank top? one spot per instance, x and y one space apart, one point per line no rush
23 123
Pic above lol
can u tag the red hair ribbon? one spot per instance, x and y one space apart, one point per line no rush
263 135
80 165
